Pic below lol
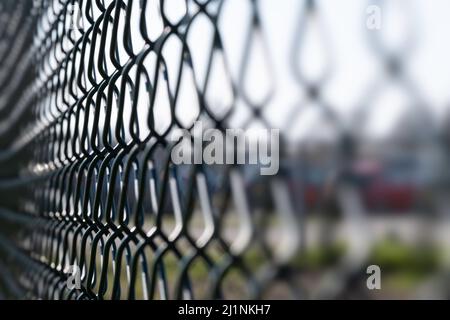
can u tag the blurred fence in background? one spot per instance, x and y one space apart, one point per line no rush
90 92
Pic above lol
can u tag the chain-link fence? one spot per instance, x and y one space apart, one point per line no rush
92 205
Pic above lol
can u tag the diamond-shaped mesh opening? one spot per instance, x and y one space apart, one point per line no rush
92 94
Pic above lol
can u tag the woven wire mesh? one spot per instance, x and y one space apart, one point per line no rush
90 92
93 184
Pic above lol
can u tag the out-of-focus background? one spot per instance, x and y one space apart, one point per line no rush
91 90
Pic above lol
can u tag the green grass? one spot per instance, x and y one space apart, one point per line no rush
393 256
317 258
